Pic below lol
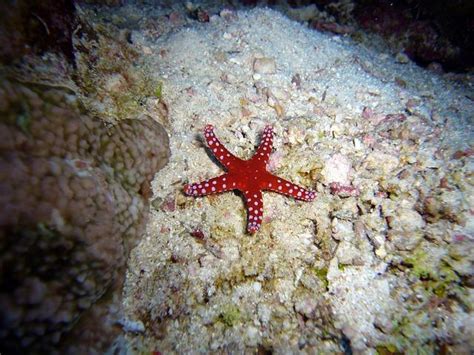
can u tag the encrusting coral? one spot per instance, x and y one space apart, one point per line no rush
72 205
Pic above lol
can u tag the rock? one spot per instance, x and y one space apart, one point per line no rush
306 306
376 239
402 58
279 94
347 253
384 323
73 204
446 205
303 13
382 162
337 169
228 14
381 252
346 209
116 83
264 66
406 228
131 326
461 251
343 190
406 219
264 313
342 230
252 336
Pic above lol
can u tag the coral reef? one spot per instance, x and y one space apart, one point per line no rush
73 203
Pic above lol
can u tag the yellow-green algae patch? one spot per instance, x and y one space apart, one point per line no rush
230 315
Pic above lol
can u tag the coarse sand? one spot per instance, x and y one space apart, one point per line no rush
378 261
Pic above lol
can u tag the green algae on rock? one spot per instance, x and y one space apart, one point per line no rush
113 80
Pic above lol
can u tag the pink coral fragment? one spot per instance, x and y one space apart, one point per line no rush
343 190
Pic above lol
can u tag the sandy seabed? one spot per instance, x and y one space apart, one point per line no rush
380 261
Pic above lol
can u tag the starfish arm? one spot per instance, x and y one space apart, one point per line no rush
222 154
215 185
251 177
265 147
287 188
254 202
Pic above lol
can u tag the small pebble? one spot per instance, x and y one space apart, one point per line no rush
132 326
402 58
264 66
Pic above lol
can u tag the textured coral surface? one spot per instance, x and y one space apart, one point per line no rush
72 205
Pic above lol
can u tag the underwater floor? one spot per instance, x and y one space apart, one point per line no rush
350 231
381 259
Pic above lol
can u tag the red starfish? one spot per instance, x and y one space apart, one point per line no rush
248 176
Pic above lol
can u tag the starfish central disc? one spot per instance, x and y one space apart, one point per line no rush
250 177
